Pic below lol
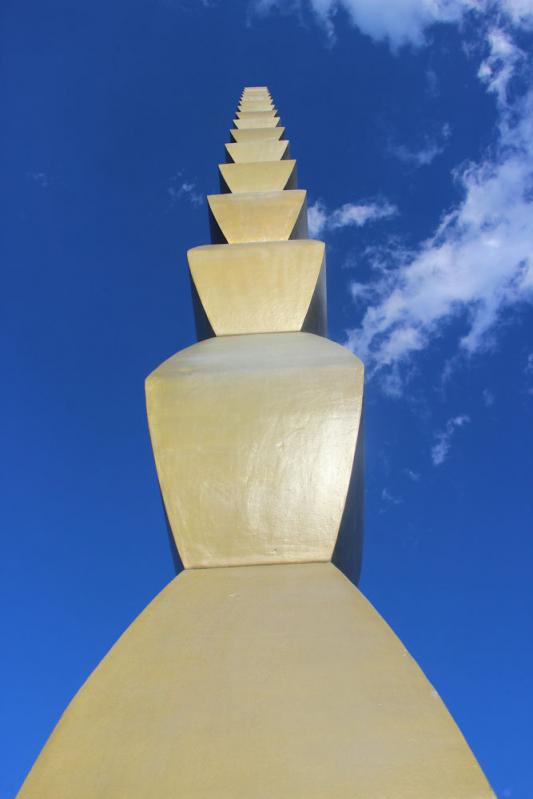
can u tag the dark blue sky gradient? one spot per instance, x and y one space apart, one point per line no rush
107 106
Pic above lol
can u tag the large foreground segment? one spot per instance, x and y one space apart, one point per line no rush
257 682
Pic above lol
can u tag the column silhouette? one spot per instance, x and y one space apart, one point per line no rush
260 671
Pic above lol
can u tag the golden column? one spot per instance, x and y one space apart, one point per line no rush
260 672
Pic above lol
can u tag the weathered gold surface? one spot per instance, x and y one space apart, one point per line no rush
262 682
259 176
265 216
256 122
244 152
254 134
261 288
254 440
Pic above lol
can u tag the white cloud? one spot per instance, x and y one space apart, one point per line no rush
478 263
520 11
349 214
443 439
316 219
401 22
498 68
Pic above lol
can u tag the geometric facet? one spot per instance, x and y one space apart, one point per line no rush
224 687
266 115
259 176
255 91
258 216
256 105
256 121
254 439
252 134
257 150
261 288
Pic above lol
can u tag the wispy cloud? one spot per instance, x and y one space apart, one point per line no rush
401 23
320 219
424 154
40 178
498 68
180 189
390 498
432 83
488 397
443 439
413 476
477 264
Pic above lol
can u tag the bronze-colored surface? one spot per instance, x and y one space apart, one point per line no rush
265 216
257 149
258 176
254 441
261 288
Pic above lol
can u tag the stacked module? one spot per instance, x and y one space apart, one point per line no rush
256 429
260 671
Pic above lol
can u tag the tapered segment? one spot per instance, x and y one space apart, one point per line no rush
256 98
256 105
257 150
255 122
254 439
266 115
253 102
256 134
255 683
261 288
259 176
265 216
255 90
255 108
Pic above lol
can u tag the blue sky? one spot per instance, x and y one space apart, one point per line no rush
412 124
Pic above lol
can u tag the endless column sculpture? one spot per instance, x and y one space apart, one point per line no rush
260 672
